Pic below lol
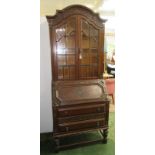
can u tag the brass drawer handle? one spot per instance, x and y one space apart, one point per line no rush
67 129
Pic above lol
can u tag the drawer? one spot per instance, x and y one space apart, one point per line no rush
81 110
81 125
80 118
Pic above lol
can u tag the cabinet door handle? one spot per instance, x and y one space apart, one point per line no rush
80 53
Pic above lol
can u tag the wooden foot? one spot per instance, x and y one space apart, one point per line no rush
113 99
104 134
57 145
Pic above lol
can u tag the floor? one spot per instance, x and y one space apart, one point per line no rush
47 146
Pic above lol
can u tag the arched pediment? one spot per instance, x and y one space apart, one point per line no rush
75 10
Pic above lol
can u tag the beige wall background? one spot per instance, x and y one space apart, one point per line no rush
104 7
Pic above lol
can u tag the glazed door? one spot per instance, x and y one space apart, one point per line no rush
77 50
88 50
65 49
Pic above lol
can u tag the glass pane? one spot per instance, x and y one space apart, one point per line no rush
93 58
66 72
88 71
70 59
70 51
70 33
91 71
94 51
70 26
84 58
72 73
60 37
61 51
85 43
60 32
89 50
70 42
85 34
61 60
60 73
65 49
95 71
83 71
61 44
93 37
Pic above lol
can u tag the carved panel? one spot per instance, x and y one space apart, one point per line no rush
79 91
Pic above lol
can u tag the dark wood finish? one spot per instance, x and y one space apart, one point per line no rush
80 102
78 108
77 43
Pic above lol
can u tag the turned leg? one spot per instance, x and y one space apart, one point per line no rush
113 99
105 135
57 144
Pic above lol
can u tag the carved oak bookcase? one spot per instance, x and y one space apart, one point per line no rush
80 102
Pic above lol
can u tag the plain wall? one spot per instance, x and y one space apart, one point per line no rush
46 117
